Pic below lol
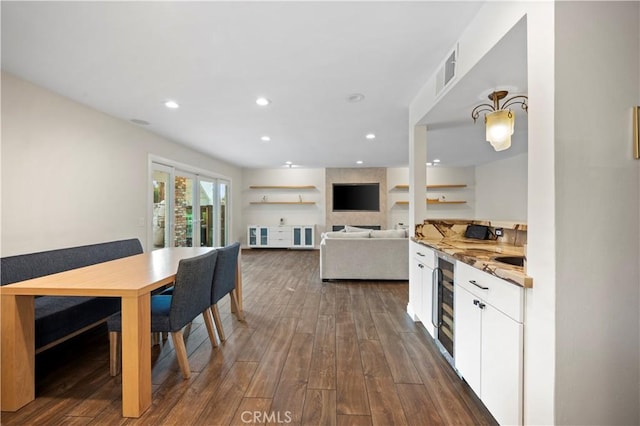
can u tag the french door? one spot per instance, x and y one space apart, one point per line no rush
189 208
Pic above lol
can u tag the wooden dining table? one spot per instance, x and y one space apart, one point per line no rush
132 279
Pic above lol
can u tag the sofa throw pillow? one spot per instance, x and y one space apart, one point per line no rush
355 229
364 234
389 233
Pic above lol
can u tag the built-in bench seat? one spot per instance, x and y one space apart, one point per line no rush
58 318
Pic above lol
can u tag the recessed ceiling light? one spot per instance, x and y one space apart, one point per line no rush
265 138
171 104
436 160
370 136
429 164
140 122
263 101
355 97
359 162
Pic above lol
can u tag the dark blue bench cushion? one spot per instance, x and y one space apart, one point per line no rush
58 316
27 266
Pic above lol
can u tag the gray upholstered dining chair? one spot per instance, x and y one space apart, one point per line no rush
171 313
224 282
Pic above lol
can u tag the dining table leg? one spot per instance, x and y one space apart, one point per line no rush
136 355
17 356
237 308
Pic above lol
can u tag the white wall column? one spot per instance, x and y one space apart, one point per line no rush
597 69
417 176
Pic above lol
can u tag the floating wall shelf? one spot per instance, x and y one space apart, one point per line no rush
445 202
433 186
282 202
281 187
433 202
286 188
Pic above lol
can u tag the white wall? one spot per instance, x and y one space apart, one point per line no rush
72 175
439 175
397 213
582 315
303 215
478 38
257 214
501 190
598 276
488 195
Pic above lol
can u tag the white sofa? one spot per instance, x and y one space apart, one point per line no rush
364 255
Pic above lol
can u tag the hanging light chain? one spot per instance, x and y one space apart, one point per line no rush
495 97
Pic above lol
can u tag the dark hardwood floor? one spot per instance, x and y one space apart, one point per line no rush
313 353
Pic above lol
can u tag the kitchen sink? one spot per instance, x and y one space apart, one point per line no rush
510 260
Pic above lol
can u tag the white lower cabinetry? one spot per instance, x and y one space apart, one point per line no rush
488 346
468 329
422 264
281 236
303 236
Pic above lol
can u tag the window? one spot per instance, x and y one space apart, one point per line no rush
189 207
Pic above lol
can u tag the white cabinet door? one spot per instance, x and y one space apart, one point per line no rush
426 303
420 292
421 308
309 236
502 364
257 236
422 262
264 236
280 236
415 288
252 236
468 332
303 236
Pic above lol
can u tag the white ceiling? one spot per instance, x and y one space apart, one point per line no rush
453 137
216 58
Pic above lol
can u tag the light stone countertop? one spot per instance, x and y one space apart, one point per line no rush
480 254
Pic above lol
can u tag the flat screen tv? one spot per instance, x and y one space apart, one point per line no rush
356 197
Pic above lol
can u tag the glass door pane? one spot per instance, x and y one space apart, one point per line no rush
253 236
308 236
223 201
187 209
160 220
207 199
183 218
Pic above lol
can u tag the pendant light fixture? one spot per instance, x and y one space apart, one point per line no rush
500 120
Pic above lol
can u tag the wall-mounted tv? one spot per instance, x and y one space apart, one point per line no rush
356 197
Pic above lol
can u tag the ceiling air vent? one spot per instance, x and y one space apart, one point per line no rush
447 71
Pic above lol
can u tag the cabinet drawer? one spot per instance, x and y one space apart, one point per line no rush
277 229
423 254
279 243
280 233
506 297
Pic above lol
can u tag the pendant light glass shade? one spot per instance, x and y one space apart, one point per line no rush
499 121
499 128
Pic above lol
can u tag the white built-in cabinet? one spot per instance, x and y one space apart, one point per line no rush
281 236
488 343
303 236
422 263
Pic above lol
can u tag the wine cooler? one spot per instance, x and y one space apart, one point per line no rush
443 305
